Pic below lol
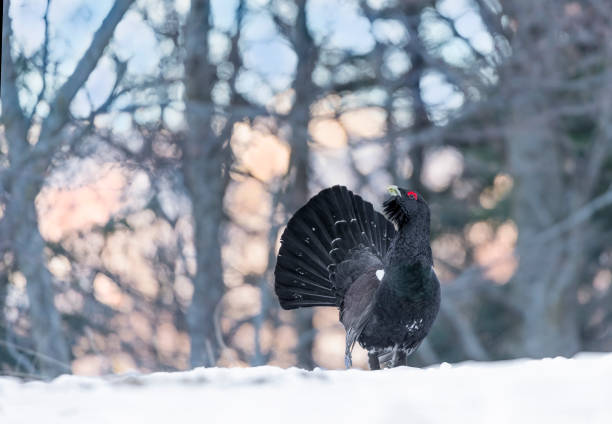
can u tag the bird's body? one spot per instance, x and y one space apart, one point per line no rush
401 321
337 251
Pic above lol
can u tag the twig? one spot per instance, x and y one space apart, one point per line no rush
572 221
38 355
59 106
45 63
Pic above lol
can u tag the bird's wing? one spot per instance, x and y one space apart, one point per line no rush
358 305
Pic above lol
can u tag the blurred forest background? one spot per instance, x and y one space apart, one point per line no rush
152 150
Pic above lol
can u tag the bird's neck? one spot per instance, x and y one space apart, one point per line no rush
411 244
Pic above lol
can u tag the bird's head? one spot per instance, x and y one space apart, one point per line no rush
404 206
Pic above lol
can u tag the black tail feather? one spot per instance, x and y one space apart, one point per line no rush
318 236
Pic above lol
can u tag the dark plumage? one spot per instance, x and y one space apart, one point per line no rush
338 251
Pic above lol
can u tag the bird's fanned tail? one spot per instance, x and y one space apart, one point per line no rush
320 235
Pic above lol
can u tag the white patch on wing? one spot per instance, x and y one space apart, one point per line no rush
380 274
416 324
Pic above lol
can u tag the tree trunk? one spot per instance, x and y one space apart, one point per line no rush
415 49
204 158
544 284
28 247
208 279
298 193
28 167
297 197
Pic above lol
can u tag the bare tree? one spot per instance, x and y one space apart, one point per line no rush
297 190
539 142
544 123
206 163
29 160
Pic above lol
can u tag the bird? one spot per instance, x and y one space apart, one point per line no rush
377 269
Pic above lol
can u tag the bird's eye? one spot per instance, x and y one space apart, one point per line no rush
412 195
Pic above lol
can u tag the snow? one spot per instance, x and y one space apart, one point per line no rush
555 390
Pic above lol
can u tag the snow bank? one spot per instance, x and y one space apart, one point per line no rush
555 391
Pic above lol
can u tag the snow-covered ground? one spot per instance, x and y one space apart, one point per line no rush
555 391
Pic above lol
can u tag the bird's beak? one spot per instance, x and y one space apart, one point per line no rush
393 190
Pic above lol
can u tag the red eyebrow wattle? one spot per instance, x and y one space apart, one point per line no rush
412 193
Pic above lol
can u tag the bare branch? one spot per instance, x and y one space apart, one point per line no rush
465 331
577 218
59 107
12 114
45 63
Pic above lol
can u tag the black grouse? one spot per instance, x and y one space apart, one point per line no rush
338 251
